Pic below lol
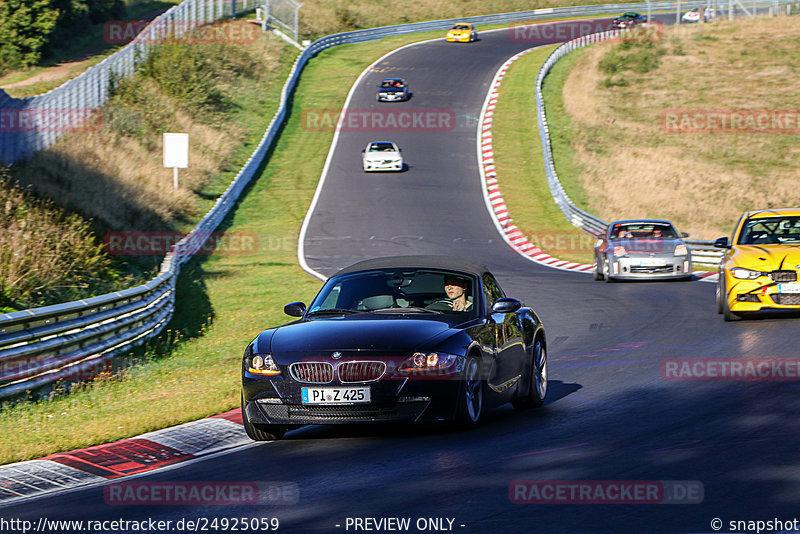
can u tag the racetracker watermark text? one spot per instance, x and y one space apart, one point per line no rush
384 120
559 32
14 120
779 121
158 243
606 492
200 493
731 369
158 32
29 366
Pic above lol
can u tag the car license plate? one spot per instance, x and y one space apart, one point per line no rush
336 395
650 262
791 287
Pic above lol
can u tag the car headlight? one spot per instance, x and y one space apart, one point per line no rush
619 251
681 250
745 274
428 361
262 364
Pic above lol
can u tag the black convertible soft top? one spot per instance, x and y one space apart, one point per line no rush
453 263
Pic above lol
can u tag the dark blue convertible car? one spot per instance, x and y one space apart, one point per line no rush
399 339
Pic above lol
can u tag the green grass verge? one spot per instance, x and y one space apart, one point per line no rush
518 158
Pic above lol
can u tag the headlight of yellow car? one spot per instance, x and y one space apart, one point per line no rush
681 250
741 273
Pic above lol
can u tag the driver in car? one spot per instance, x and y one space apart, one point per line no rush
456 290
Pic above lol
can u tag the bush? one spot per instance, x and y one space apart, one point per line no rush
45 255
638 57
25 30
184 73
31 28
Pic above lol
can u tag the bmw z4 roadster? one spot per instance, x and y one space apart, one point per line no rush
398 339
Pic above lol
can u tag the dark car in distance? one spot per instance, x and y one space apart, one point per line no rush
628 20
393 90
397 339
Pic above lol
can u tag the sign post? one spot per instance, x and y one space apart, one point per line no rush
176 153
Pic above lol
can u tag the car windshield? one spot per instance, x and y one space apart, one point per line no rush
770 231
460 27
643 231
418 291
391 84
381 147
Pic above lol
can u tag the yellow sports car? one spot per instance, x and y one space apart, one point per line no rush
463 32
760 265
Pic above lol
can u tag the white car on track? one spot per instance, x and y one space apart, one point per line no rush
694 15
381 156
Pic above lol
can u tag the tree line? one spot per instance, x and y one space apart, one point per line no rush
30 30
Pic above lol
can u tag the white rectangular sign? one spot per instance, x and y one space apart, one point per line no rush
176 150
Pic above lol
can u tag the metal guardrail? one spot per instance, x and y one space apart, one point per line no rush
704 252
584 220
43 345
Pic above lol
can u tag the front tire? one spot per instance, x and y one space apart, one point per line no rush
470 404
723 303
258 432
537 388
727 314
607 273
598 274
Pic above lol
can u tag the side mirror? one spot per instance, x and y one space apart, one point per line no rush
684 234
506 305
295 309
722 242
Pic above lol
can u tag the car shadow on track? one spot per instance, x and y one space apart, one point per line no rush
502 415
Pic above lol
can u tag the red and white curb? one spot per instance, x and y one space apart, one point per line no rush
110 461
494 198
492 195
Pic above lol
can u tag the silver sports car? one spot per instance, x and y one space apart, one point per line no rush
641 248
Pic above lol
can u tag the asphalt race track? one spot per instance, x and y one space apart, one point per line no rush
610 415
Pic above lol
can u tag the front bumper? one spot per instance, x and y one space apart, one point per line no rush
278 401
383 166
391 97
658 267
458 38
755 295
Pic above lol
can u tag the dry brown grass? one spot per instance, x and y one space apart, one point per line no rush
114 174
111 178
701 181
120 182
43 252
